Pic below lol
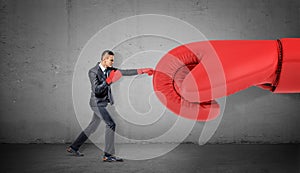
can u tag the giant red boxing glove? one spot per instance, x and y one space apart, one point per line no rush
169 74
270 64
113 76
220 68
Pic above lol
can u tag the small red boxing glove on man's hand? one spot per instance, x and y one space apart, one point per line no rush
113 76
149 71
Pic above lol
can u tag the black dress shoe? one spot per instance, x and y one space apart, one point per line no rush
112 159
74 152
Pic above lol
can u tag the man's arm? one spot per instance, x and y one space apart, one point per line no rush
98 87
116 74
133 72
129 72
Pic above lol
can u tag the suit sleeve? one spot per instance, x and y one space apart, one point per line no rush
128 72
98 87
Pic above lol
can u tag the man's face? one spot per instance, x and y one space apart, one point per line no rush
108 60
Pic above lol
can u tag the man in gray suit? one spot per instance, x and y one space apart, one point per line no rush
101 77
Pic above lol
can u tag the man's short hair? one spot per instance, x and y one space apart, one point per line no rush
109 52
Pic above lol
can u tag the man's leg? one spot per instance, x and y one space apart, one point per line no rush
110 129
109 150
83 136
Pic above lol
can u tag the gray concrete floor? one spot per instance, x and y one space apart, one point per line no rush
227 158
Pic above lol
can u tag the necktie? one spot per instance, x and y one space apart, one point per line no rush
105 73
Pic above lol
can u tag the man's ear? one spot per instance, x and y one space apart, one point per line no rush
104 57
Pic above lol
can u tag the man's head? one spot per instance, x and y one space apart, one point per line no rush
107 58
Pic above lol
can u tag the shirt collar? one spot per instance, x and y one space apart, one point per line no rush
102 68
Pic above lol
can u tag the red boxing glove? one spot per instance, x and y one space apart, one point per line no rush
113 76
270 64
149 71
191 76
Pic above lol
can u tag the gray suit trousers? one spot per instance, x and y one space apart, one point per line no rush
100 113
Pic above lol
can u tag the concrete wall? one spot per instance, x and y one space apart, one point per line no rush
42 39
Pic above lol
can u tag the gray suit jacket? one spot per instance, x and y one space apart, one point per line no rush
101 92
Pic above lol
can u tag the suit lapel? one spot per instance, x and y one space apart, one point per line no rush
100 75
99 72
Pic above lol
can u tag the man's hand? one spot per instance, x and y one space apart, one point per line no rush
149 71
114 76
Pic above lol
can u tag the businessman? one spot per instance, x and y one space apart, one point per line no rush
102 76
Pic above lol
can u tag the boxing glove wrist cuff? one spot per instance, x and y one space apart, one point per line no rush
289 81
139 71
279 66
108 81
